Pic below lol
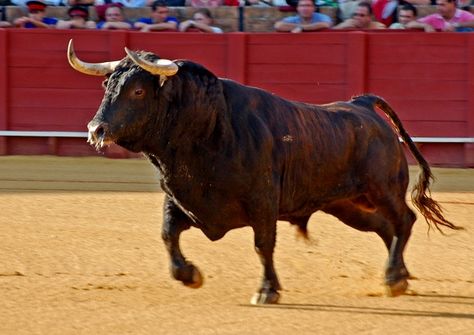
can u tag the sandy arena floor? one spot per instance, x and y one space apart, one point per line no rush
81 253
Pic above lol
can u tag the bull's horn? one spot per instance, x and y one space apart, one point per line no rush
93 69
163 67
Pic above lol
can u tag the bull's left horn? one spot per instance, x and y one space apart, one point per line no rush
93 69
162 67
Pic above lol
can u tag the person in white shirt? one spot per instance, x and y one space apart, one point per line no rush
201 22
407 14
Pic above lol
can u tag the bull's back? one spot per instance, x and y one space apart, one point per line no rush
318 152
332 154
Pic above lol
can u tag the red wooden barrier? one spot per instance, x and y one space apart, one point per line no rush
469 148
3 89
428 78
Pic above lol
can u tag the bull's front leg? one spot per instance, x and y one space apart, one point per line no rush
265 238
175 222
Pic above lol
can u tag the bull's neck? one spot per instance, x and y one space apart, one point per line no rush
193 123
185 138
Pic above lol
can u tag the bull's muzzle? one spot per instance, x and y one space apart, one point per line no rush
98 134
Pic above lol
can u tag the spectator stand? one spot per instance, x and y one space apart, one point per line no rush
229 18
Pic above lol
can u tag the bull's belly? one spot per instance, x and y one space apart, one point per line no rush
217 218
301 206
302 211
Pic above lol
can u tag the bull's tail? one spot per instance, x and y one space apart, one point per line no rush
421 194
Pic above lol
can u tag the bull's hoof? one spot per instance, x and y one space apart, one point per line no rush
197 280
262 298
398 288
189 275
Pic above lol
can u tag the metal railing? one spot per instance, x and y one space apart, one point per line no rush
21 133
78 134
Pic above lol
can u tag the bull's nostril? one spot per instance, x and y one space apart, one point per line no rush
97 132
100 131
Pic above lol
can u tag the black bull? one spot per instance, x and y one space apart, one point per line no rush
231 156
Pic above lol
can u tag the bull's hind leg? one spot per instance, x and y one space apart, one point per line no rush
393 208
396 274
265 237
362 220
351 214
175 222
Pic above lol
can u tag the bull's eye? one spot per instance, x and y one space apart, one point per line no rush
139 92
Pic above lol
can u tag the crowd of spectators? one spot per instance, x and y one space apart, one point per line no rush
381 14
450 15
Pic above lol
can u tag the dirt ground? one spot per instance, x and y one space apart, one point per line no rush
81 253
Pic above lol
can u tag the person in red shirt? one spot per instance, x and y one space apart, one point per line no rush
384 11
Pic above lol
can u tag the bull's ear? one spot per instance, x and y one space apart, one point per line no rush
93 69
161 67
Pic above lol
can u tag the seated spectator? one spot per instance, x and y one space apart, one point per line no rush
204 3
407 14
418 2
23 3
102 5
123 3
79 19
306 20
83 3
36 17
170 3
346 9
361 19
256 3
159 20
279 3
176 3
464 4
114 19
201 22
3 19
447 18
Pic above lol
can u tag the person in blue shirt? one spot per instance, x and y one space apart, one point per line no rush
36 17
306 20
159 20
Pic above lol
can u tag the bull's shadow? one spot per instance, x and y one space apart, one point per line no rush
445 299
424 298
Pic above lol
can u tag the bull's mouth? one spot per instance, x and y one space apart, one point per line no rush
100 136
99 143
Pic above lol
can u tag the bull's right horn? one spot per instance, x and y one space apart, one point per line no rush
162 67
93 69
